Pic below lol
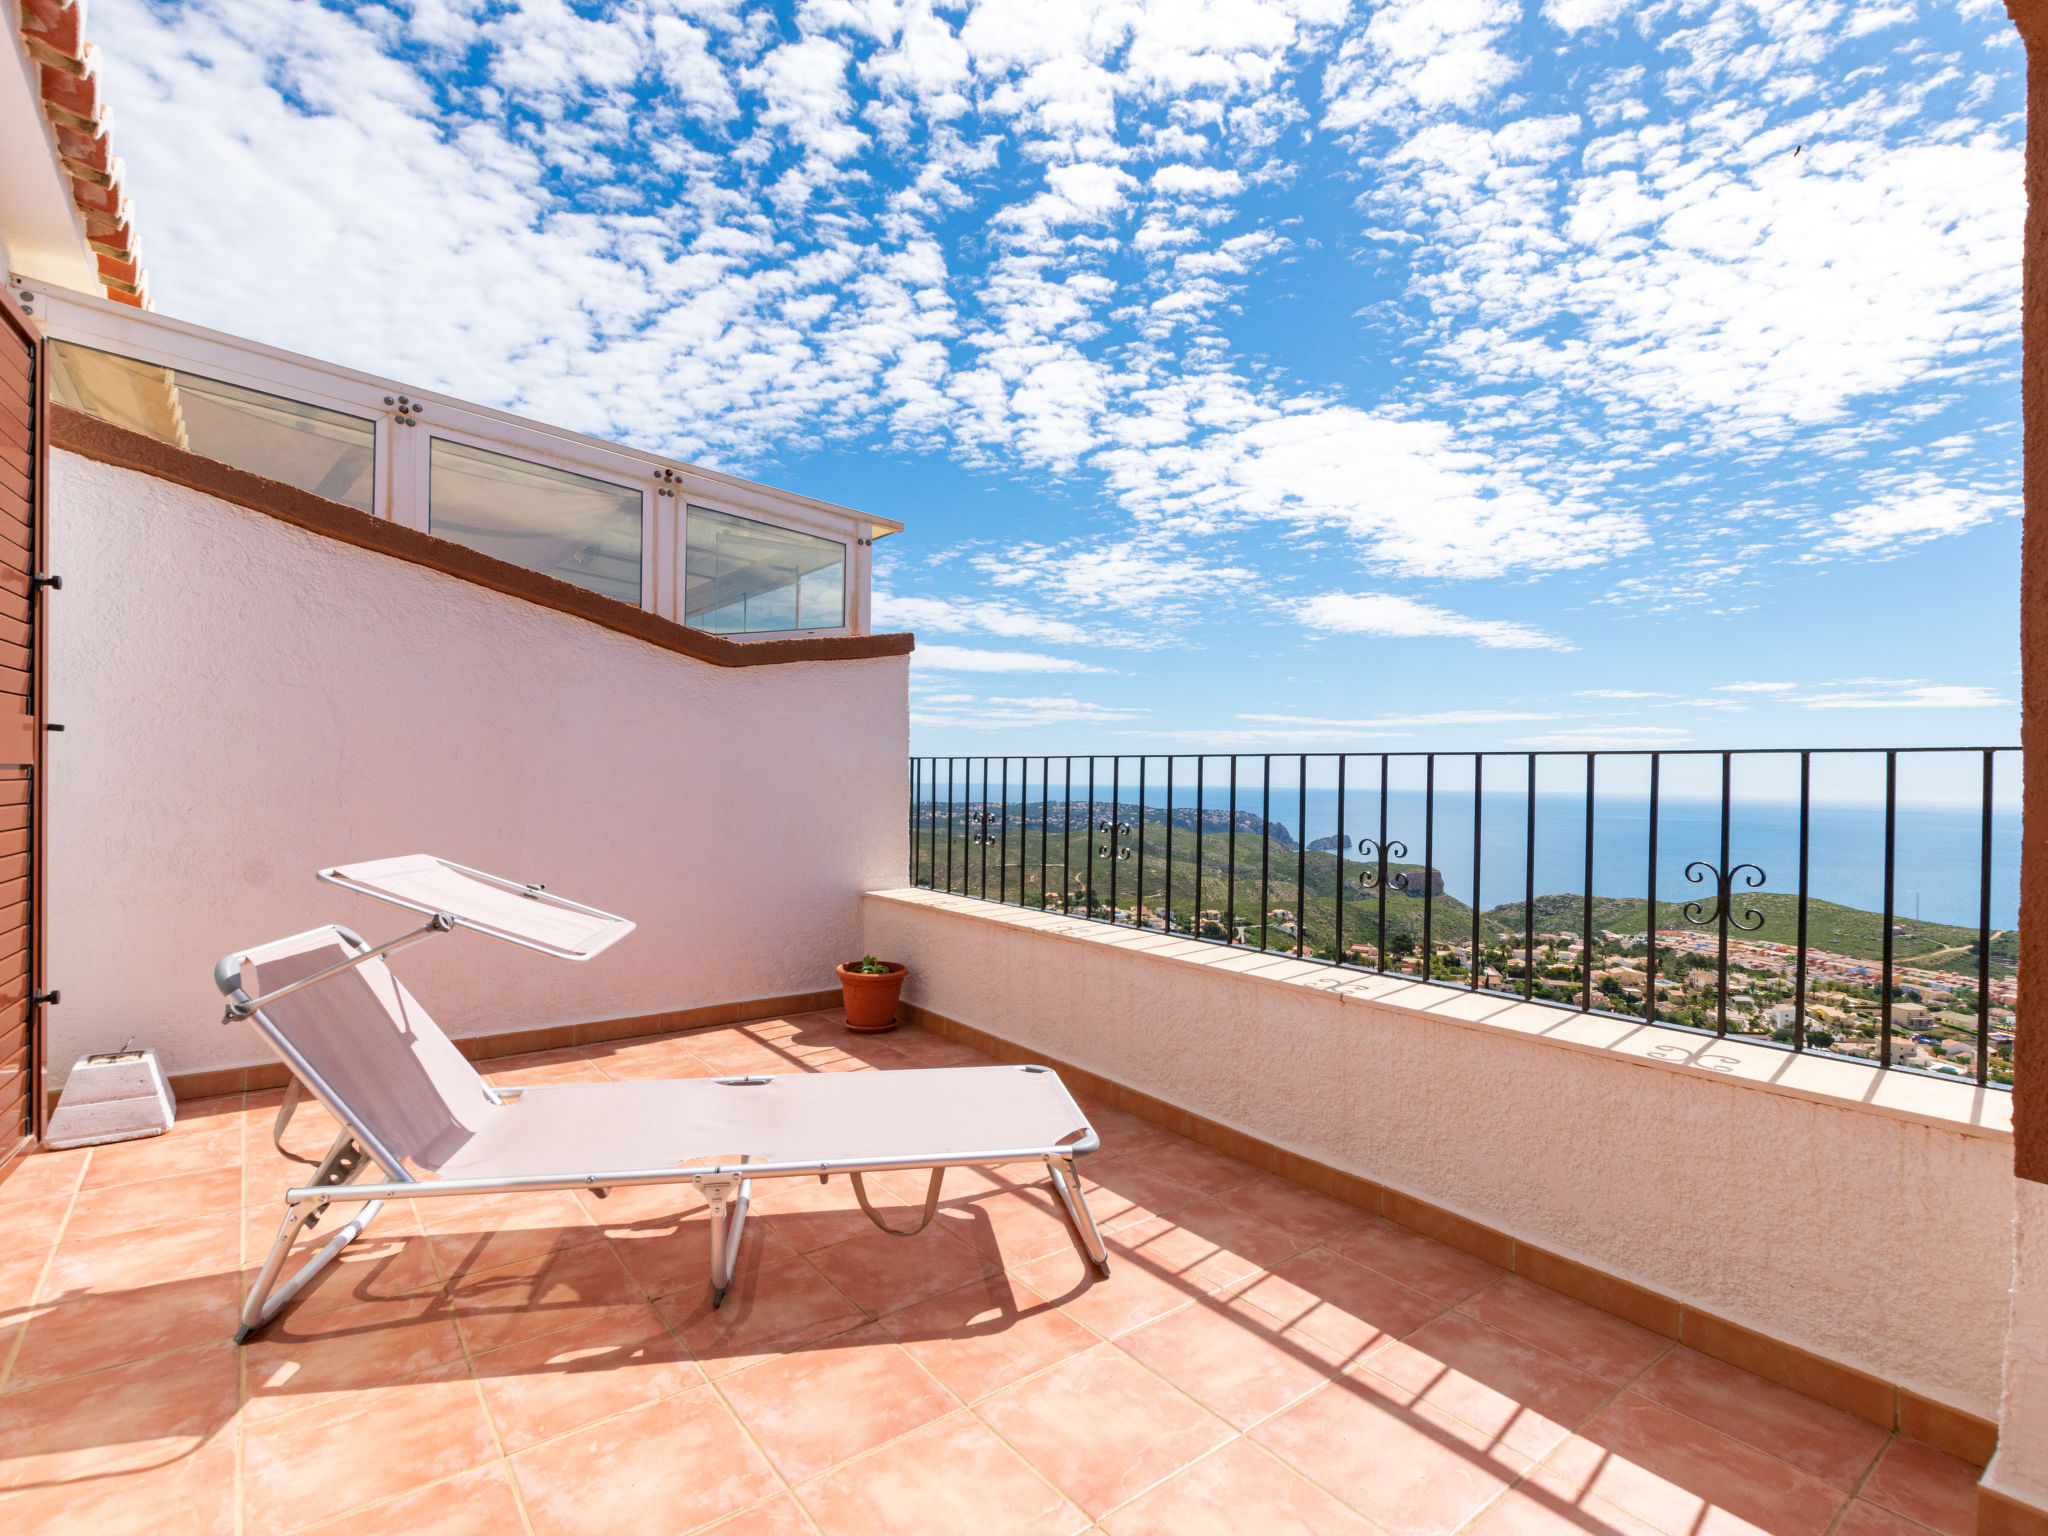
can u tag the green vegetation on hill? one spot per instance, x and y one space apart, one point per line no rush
1305 884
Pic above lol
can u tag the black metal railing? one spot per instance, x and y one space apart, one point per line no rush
1634 884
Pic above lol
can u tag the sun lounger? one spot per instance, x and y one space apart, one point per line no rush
412 1106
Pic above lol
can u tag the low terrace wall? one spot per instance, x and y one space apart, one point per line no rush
246 701
1863 1217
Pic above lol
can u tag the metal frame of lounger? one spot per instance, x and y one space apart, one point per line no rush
727 1188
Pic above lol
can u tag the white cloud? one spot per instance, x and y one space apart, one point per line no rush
1597 738
1598 289
1409 491
1420 55
1616 693
1578 15
998 712
1441 717
1383 613
1150 581
1261 740
1931 696
960 658
958 615
1924 508
1754 687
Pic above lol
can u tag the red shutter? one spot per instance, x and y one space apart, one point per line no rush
24 474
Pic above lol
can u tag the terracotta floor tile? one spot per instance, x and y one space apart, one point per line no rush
34 1224
536 1296
1922 1484
478 1502
1413 1471
1102 1428
1311 1217
153 1202
574 1376
538 1077
633 1204
775 1307
1681 1476
19 1278
1866 1519
1242 1241
737 1057
188 1493
209 1243
41 1175
1200 1167
73 1337
927 1050
661 1059
1132 1296
1832 1445
1010 1227
306 1357
1519 1395
161 1157
398 1438
881 1273
670 1257
387 1267
472 1235
1420 1263
1233 1359
815 1407
133 1416
1594 1341
1544 1505
778 1517
1124 1190
1122 1134
949 1478
533 1061
986 1335
1240 1489
639 1471
1347 1306
810 1215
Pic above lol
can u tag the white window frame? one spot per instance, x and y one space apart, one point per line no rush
413 470
852 616
400 487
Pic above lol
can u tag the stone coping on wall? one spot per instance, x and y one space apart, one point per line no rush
1958 1106
90 438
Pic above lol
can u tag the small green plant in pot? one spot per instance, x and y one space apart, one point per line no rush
870 988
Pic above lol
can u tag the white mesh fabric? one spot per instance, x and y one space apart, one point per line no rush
374 1047
423 881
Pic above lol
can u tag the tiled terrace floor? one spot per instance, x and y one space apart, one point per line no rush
1262 1360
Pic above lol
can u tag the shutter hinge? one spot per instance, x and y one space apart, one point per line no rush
37 582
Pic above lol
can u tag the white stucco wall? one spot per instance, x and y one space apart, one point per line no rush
245 703
2020 1469
1857 1214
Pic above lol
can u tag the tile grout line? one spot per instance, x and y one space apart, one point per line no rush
706 1379
14 1346
242 1283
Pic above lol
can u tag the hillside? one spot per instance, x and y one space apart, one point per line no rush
1008 866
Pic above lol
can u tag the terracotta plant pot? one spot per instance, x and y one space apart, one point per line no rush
870 1000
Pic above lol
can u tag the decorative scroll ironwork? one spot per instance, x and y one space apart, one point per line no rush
1370 880
981 820
1724 886
1117 830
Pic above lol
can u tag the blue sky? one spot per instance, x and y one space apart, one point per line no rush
1455 373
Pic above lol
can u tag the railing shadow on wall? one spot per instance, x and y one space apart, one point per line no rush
1854 903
